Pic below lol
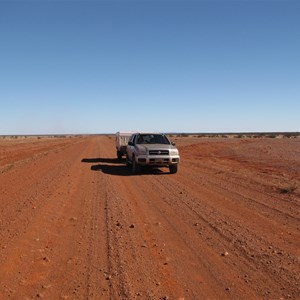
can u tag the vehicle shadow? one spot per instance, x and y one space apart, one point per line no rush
103 160
119 170
113 166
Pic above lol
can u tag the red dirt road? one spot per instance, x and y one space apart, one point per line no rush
75 224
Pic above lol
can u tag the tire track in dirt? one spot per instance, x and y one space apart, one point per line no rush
133 269
218 189
49 257
258 253
263 249
254 192
22 153
146 202
25 189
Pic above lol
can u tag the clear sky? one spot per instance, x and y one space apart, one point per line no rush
186 66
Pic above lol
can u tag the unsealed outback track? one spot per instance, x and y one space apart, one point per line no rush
75 224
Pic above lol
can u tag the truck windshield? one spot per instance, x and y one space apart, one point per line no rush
152 139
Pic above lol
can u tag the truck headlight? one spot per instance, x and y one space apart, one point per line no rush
173 152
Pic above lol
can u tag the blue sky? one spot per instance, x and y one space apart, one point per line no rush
185 66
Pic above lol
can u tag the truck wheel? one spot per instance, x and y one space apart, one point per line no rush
135 167
119 154
127 161
173 169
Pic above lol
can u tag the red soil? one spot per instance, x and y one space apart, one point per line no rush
75 224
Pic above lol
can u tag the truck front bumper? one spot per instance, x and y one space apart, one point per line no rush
157 161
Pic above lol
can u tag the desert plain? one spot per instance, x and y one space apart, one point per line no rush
76 224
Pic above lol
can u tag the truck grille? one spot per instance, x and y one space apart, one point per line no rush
158 152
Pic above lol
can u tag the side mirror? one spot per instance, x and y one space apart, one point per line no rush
130 143
173 143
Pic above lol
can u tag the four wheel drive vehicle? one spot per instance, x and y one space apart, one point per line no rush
151 149
122 139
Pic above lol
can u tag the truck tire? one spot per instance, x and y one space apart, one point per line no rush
119 154
135 167
173 169
127 161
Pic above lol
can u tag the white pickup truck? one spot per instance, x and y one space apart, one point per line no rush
153 150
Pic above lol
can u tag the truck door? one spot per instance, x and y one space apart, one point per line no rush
130 148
